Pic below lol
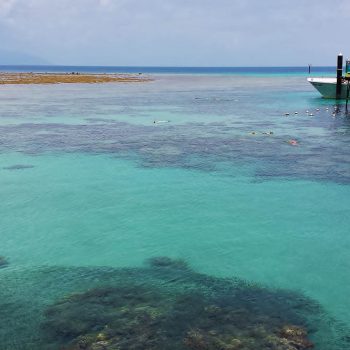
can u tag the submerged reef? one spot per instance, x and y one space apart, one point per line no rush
200 146
18 167
164 305
169 306
142 318
3 262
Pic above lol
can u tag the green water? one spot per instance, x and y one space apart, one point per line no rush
254 208
95 210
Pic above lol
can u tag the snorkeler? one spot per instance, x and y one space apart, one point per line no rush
293 142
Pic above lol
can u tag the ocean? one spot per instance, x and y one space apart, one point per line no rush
204 195
173 70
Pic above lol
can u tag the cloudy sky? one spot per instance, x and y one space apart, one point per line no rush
174 32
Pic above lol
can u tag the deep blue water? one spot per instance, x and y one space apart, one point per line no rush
171 70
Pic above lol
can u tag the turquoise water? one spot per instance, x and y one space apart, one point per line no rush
111 175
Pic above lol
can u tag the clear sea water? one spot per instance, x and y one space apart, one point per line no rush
195 165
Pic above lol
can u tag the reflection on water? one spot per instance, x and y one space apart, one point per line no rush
164 305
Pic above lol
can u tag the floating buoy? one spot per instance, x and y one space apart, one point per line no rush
295 112
311 115
317 109
307 111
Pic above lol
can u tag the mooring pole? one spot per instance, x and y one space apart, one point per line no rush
339 75
347 77
347 97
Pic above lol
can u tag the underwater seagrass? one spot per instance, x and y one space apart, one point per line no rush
169 306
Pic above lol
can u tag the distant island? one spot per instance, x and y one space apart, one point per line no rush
61 78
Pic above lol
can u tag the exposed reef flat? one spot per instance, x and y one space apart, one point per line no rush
71 78
164 305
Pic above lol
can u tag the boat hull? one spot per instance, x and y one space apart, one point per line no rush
327 87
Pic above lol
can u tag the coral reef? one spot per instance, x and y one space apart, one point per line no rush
200 146
3 262
72 78
199 313
161 305
18 167
164 261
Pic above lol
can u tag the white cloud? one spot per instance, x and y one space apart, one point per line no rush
6 6
171 32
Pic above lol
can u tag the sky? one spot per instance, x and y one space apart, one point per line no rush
174 32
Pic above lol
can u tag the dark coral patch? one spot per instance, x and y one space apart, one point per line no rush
172 307
18 167
3 262
201 146
163 305
164 261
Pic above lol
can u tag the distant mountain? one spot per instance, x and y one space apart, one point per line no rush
20 58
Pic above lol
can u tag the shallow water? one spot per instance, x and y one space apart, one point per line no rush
110 175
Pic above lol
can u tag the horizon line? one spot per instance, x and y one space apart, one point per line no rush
155 66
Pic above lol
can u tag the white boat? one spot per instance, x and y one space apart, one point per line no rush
327 87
